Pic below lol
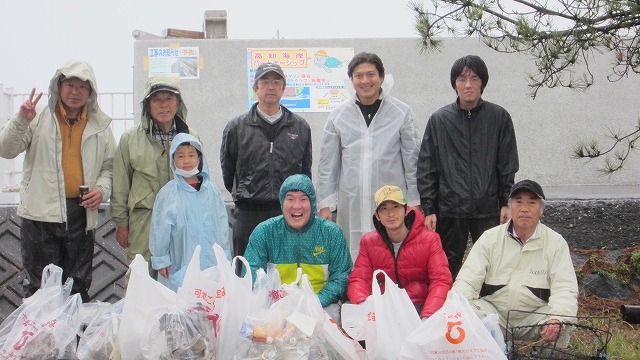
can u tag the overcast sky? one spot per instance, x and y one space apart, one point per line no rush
39 35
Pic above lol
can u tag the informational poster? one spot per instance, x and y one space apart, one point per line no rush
176 62
315 76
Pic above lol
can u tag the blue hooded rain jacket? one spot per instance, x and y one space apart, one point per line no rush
183 218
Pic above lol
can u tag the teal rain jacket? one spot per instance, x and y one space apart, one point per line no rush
183 218
319 248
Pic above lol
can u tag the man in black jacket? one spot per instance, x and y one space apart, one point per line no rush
259 150
467 163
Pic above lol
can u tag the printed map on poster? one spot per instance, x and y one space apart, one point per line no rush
315 76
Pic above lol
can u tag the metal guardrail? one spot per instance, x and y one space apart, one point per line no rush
118 105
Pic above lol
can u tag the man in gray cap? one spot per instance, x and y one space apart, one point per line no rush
522 265
259 150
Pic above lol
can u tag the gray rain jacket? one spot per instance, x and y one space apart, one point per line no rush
42 191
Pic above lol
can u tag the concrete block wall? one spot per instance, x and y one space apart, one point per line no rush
547 128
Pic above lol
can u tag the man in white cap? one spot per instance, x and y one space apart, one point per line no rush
522 265
259 150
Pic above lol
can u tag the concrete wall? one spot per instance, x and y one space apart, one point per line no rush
547 128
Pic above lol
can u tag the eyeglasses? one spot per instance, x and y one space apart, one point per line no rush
79 86
274 82
463 79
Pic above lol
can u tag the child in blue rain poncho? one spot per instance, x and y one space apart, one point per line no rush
187 212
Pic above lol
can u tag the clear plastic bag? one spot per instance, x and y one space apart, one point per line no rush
99 341
178 334
46 324
290 329
492 323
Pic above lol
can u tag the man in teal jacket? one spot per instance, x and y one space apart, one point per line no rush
299 239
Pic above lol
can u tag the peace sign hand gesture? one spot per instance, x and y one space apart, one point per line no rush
28 109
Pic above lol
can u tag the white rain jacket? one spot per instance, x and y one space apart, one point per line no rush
42 190
184 218
536 276
356 160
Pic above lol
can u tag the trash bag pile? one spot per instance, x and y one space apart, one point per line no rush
214 315
219 315
288 329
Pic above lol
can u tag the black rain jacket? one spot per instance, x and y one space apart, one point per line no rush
254 166
467 162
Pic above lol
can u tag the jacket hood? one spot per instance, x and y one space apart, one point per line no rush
165 81
83 71
193 141
302 183
413 221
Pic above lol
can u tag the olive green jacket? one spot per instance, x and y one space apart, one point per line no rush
141 167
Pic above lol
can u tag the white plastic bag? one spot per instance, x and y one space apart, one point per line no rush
267 289
46 324
143 295
234 302
383 321
395 318
453 332
200 287
347 347
356 319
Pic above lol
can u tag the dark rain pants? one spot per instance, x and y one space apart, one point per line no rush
244 221
68 246
454 234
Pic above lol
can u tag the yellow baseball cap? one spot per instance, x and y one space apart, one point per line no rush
389 192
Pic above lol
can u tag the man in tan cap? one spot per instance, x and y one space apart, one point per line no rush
401 242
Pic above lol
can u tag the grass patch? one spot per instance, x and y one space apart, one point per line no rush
625 337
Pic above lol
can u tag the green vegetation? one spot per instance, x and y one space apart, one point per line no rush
635 262
625 338
627 267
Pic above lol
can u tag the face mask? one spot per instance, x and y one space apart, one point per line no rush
187 174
